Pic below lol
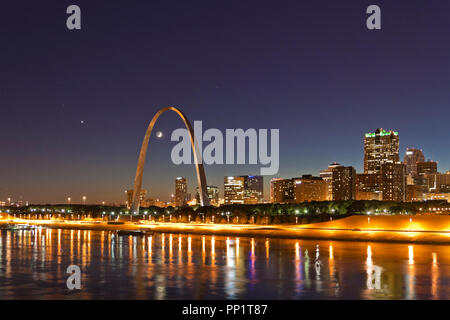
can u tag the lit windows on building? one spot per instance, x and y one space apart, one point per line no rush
180 191
380 147
234 190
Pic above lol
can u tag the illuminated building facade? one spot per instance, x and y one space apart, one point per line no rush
427 167
243 189
424 170
180 191
368 186
380 147
411 158
393 181
341 182
368 182
272 188
309 188
234 190
282 190
388 185
253 189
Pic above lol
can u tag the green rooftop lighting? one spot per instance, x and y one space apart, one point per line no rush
383 133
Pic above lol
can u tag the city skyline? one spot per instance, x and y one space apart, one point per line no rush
318 75
171 196
220 156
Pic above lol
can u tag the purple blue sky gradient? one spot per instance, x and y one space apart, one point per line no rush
309 68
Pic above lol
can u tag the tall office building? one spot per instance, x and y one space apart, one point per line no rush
411 158
272 188
234 190
341 182
388 185
327 176
130 194
253 189
180 191
380 147
393 181
243 189
309 188
282 190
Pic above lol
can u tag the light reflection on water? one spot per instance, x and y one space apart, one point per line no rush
173 266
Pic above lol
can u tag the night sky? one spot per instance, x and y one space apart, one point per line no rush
310 68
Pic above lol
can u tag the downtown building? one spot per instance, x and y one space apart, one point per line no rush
341 182
411 158
233 188
424 170
282 190
181 195
393 181
309 188
438 182
253 189
423 181
243 189
438 186
388 185
414 193
380 147
368 186
296 190
384 175
426 167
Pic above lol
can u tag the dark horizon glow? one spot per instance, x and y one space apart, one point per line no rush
75 104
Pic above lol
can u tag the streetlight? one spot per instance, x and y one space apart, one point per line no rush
84 199
69 199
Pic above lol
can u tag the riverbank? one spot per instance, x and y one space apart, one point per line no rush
406 229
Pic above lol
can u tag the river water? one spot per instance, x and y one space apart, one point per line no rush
33 265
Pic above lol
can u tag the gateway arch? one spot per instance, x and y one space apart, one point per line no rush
201 178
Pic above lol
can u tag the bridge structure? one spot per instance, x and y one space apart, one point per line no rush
201 177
